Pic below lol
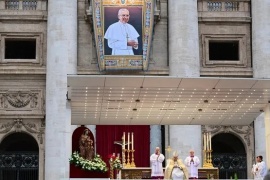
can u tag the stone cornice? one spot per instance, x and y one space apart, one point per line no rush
7 15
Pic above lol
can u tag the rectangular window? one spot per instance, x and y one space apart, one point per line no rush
219 50
20 48
224 50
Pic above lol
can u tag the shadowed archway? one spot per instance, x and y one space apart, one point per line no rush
229 155
19 157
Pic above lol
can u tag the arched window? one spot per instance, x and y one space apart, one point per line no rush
19 157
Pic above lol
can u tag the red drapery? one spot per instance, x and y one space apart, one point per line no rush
107 135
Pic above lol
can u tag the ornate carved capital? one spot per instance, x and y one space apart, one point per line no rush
19 124
243 131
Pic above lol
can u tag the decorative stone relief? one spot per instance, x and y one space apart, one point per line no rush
18 100
19 125
243 131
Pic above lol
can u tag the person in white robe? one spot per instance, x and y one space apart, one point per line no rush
259 169
156 160
192 162
122 37
175 168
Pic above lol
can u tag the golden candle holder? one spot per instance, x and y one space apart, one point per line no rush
123 158
111 169
132 158
128 165
207 163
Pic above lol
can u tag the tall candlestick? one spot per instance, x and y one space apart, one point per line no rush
128 140
210 138
204 141
132 141
124 140
208 141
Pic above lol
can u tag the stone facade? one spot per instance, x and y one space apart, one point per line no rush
23 90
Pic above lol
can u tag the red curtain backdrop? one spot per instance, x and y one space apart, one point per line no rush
106 135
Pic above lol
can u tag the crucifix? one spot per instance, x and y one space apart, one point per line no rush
123 145
129 149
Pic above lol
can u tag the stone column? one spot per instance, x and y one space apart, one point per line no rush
183 38
184 62
261 64
61 60
261 38
155 138
259 134
267 134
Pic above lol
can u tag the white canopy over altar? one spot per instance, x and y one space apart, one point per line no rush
160 100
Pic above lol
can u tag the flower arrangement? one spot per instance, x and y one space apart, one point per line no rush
117 163
96 164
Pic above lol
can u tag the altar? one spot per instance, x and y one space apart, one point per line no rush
136 173
145 173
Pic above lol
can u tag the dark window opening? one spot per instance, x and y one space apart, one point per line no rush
19 157
224 51
20 49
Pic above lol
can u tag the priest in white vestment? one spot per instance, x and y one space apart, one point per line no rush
259 169
192 162
176 169
122 37
156 160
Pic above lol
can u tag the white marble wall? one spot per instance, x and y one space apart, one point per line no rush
259 129
183 39
184 62
261 38
267 134
155 138
184 138
61 60
261 64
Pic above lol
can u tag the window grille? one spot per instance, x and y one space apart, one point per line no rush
29 5
12 4
214 6
231 6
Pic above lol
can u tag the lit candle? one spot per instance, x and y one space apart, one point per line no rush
124 140
128 141
210 137
208 141
204 141
132 141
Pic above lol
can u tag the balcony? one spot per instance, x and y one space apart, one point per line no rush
23 9
224 10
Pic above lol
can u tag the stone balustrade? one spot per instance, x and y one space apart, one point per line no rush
224 6
23 5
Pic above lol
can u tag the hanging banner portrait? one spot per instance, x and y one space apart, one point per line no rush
123 32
